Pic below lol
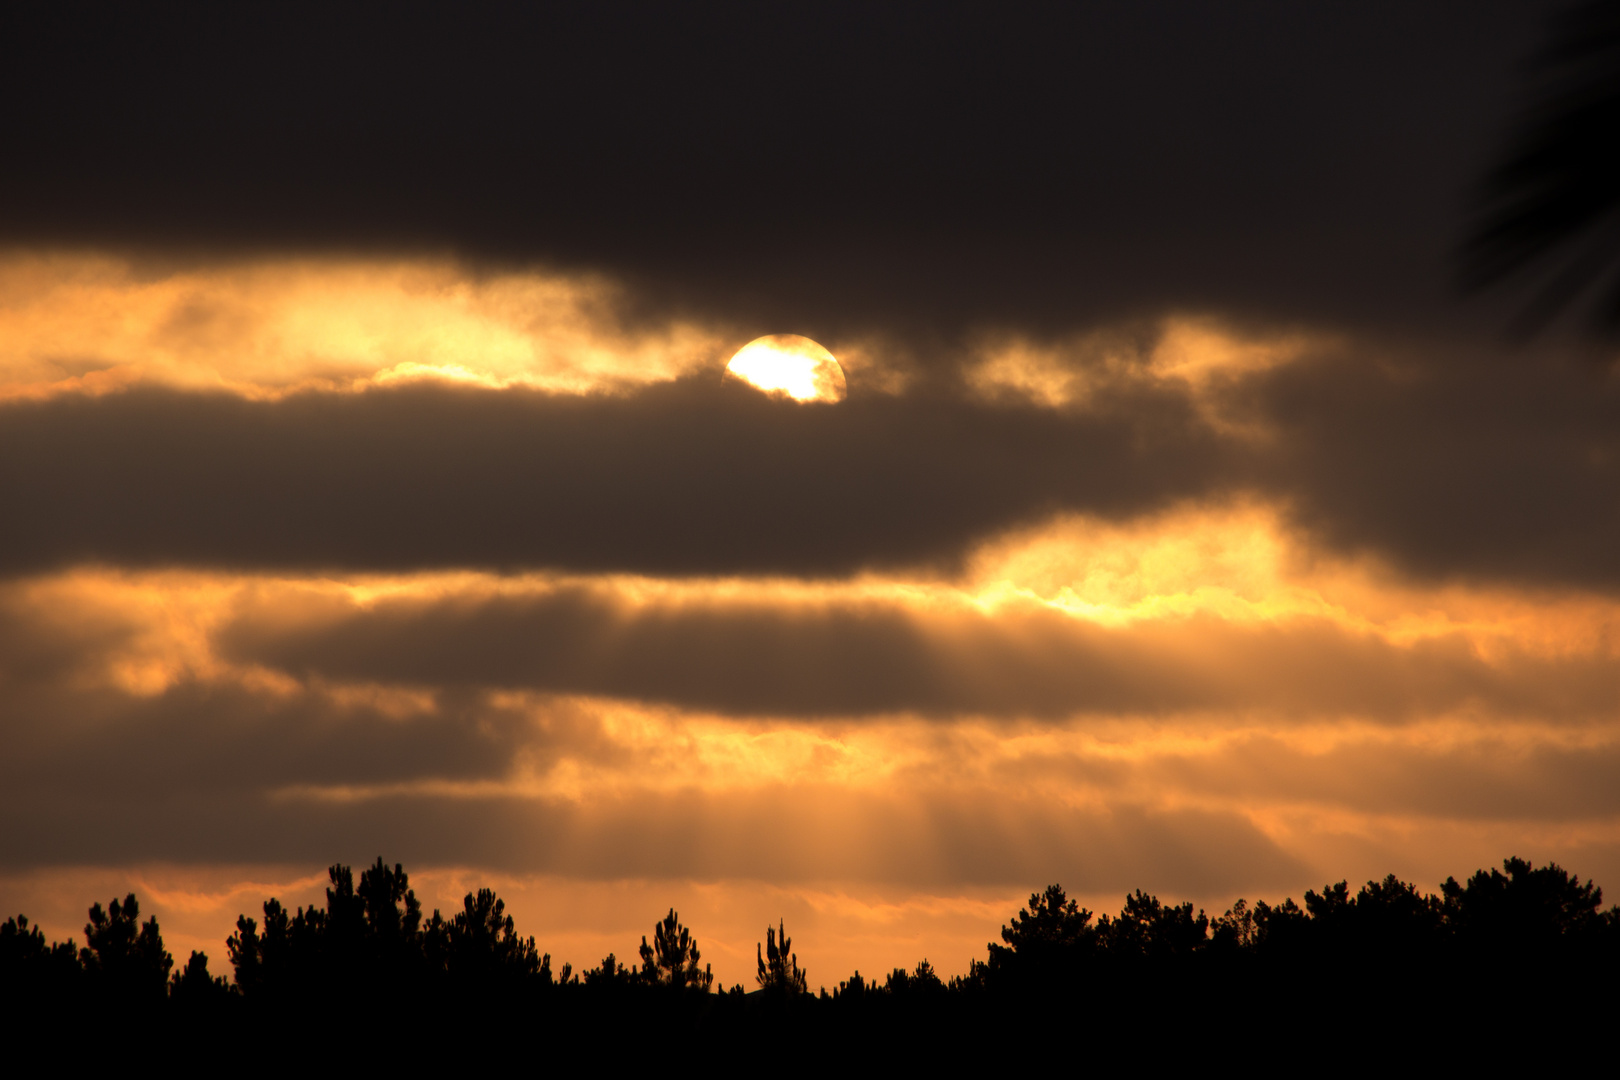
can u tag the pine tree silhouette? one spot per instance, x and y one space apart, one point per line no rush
779 969
484 943
672 959
124 956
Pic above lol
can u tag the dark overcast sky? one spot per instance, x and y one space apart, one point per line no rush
922 170
1489 470
834 167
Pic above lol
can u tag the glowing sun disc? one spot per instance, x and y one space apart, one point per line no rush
789 365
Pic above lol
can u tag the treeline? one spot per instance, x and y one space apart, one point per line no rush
1513 942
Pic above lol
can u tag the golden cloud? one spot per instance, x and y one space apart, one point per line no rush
93 323
1285 707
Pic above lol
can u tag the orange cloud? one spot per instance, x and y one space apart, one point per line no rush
93 323
1194 702
1197 355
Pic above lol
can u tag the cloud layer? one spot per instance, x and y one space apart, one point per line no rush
1448 467
925 734
824 168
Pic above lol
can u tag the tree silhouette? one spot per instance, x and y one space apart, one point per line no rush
1146 927
124 956
373 935
922 980
193 985
1522 945
381 893
672 959
610 974
779 969
1043 944
484 943
30 966
854 988
1237 929
266 962
1052 921
1523 909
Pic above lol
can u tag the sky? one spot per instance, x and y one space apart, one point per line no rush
373 486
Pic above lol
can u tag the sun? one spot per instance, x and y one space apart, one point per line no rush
789 365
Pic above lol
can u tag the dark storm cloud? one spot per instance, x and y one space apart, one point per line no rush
1442 464
806 832
103 745
1484 779
821 167
224 772
1487 777
200 774
693 477
261 771
855 659
1452 467
40 647
955 841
